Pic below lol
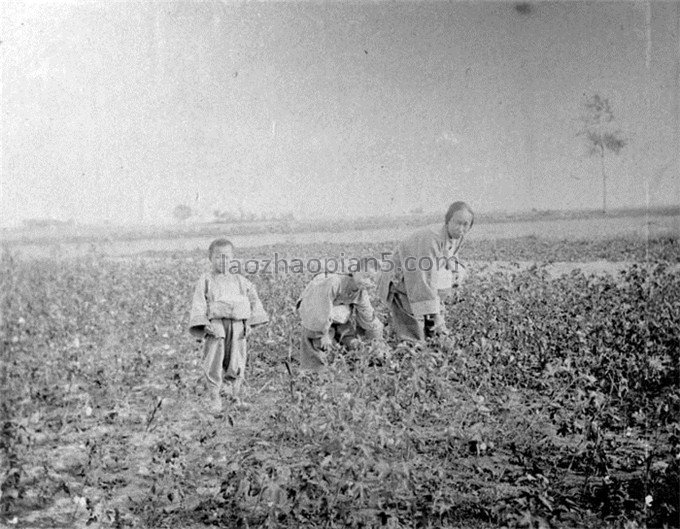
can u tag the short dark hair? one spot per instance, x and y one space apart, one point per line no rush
458 206
219 243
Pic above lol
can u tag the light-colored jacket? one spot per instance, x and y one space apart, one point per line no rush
327 299
421 266
231 296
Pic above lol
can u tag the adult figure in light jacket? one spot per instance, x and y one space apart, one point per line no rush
422 266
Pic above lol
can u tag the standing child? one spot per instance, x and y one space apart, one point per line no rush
224 307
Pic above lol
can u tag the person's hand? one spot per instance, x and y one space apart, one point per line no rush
440 325
445 294
325 342
460 274
442 331
354 344
210 330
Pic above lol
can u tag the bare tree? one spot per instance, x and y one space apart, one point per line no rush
600 135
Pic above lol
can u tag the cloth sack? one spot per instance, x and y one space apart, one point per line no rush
237 308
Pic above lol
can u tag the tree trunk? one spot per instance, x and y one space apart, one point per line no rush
604 183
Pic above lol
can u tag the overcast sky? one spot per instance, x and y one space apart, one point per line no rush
121 111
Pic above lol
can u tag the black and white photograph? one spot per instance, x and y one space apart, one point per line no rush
340 264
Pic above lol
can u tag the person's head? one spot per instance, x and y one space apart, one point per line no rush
363 273
220 253
458 220
362 280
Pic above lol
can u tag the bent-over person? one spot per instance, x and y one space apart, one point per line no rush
422 268
335 308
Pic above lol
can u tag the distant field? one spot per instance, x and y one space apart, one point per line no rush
635 227
54 231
